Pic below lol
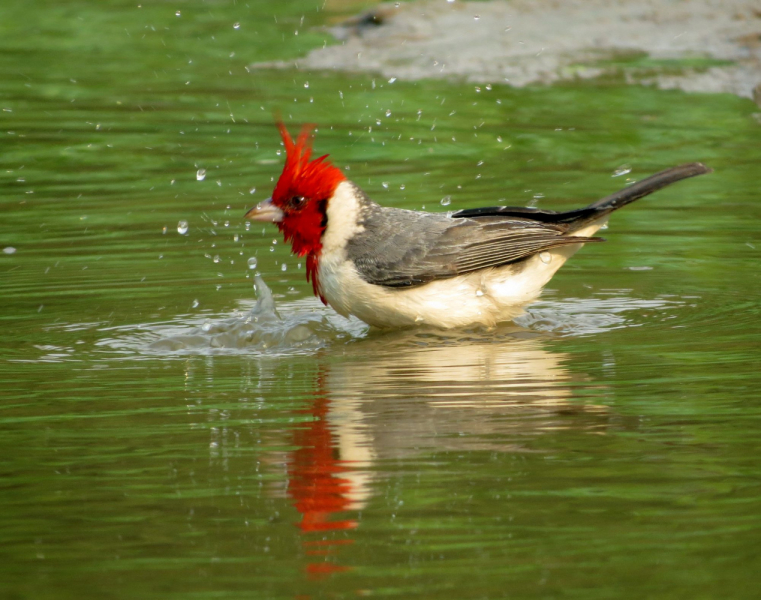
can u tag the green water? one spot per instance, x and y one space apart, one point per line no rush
163 436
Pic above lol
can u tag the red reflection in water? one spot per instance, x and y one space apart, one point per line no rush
315 483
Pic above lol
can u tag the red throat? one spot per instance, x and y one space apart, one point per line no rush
316 181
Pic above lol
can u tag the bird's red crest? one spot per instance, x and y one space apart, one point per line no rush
312 181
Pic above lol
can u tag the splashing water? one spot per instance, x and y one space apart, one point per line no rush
260 330
307 327
586 316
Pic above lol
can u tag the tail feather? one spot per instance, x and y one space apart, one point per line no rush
576 219
648 186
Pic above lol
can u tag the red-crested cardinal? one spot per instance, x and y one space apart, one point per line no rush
394 268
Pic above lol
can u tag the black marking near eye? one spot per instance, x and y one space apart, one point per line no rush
323 207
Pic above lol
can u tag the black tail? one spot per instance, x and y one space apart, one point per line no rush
648 186
597 209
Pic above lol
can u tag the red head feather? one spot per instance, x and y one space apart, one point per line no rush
313 181
316 179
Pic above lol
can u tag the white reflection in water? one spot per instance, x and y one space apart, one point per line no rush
409 395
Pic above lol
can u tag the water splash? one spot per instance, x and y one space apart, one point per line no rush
258 330
586 316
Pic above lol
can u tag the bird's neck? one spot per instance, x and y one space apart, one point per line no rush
326 234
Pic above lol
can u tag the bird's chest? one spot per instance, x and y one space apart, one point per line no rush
340 283
440 303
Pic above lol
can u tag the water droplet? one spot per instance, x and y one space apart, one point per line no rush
446 201
622 170
377 121
499 139
401 187
306 84
545 257
236 237
418 319
478 90
201 174
216 258
178 14
252 262
385 185
182 227
206 325
236 25
9 250
392 80
252 191
488 87
248 225
227 223
196 303
283 267
388 112
479 292
163 231
476 17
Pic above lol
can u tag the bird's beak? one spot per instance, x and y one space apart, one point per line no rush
265 211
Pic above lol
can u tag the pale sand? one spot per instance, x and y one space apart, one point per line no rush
526 42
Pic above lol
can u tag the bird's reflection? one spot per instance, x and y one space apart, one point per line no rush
319 485
412 394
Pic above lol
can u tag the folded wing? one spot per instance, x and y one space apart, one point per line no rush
445 247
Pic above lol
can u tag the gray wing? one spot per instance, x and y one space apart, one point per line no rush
443 247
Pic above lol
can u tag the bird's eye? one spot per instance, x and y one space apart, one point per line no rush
296 202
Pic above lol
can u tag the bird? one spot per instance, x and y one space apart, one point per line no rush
396 268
